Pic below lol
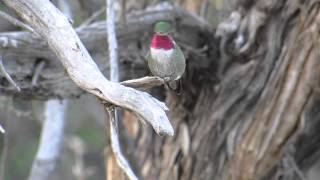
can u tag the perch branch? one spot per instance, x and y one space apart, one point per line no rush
144 83
53 26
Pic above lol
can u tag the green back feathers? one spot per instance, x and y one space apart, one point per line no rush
163 27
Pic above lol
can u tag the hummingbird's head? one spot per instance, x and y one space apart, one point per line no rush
163 28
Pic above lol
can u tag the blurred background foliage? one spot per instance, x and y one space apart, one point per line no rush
84 137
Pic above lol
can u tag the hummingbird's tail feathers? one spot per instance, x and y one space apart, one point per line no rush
175 86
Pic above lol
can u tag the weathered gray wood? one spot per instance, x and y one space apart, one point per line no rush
23 51
144 83
243 106
15 21
55 29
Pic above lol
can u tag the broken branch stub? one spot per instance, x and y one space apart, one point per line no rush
54 28
144 83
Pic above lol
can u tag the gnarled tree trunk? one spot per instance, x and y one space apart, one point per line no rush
240 117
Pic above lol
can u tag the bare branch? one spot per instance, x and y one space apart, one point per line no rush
93 17
115 144
15 21
295 167
7 75
63 40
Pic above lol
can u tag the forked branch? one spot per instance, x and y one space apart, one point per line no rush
54 28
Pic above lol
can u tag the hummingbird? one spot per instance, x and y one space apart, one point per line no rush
165 58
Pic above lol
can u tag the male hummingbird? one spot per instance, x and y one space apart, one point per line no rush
165 58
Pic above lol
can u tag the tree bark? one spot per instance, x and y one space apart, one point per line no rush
244 116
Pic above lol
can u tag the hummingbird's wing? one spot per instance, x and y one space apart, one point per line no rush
180 61
179 53
179 68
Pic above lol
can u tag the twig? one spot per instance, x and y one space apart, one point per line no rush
93 17
7 75
114 76
295 167
123 9
15 21
50 142
37 73
115 144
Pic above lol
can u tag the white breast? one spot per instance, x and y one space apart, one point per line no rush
161 55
